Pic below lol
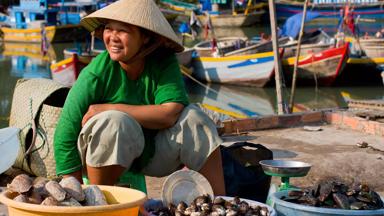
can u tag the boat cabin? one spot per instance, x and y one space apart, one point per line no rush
35 13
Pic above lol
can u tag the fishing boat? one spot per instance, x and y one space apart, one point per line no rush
331 9
67 70
180 5
322 68
373 47
46 21
234 17
170 14
243 69
83 56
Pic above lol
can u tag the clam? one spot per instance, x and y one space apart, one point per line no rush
20 184
94 196
39 186
35 197
55 190
50 201
21 198
181 206
73 188
70 202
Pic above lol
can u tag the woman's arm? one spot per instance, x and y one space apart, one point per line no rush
149 116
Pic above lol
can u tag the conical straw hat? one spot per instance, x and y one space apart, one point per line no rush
142 13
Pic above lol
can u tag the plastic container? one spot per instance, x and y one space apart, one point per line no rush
284 208
9 147
123 201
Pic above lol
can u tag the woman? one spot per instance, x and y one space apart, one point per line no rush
129 108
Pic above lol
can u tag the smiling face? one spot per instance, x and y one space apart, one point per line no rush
122 40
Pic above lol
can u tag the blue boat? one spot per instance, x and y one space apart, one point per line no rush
45 21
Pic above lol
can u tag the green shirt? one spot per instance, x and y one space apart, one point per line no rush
104 81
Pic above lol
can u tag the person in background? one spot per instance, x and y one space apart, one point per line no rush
129 109
380 34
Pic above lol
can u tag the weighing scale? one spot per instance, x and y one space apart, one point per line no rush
284 169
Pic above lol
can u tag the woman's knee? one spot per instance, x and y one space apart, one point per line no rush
109 135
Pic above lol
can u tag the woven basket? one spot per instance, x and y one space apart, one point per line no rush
36 109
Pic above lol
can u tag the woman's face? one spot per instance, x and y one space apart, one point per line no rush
122 40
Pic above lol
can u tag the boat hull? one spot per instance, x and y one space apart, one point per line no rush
373 48
322 68
67 70
251 70
239 20
52 33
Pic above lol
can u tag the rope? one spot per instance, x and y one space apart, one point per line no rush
187 72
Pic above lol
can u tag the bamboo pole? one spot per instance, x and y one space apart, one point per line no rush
278 68
298 50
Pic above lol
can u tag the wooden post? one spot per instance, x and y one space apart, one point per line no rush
92 42
298 50
278 68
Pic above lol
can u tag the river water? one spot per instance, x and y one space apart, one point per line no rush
25 61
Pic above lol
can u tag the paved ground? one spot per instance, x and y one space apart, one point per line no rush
333 152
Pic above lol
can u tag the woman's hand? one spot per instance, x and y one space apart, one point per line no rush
94 110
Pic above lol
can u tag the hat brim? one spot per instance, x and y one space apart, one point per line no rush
94 24
9 147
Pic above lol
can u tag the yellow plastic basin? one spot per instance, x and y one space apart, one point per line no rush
123 201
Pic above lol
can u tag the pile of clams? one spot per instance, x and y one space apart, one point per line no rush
64 192
203 205
337 195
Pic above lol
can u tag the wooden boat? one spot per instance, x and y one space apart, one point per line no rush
179 5
374 51
67 70
247 16
362 71
230 20
372 41
170 14
252 69
185 57
322 68
313 42
372 47
32 24
84 57
225 44
330 9
53 34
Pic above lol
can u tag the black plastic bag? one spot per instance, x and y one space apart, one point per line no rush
243 175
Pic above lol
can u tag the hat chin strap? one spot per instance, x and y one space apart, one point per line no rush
144 52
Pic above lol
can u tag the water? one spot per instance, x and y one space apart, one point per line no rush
25 61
